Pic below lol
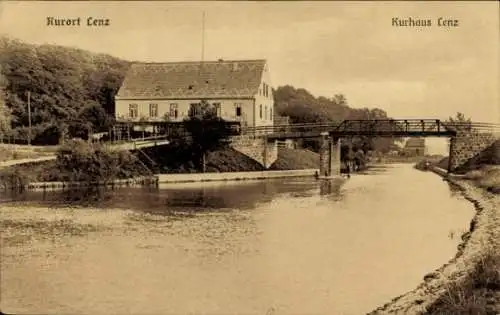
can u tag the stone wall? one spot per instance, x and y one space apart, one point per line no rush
258 149
288 143
469 149
329 156
208 177
335 161
324 155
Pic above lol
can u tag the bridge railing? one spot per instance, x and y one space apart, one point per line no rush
392 126
288 128
136 140
380 127
398 127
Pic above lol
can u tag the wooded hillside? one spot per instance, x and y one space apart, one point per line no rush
303 107
67 85
76 88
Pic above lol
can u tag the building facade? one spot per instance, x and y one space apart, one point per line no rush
415 147
239 90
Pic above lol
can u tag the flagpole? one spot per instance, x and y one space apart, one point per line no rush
203 37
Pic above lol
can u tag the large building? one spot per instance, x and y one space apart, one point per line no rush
415 147
239 90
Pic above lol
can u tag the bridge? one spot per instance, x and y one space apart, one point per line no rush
260 143
467 139
138 143
369 128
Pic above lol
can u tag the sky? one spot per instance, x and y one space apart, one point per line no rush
328 48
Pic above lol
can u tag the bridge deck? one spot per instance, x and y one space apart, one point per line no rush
315 134
137 144
370 128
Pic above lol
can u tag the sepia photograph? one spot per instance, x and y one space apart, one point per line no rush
250 157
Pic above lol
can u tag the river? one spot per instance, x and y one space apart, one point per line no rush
284 246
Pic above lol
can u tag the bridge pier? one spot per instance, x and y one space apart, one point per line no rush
472 148
329 155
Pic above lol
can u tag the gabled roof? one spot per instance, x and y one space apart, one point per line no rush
415 143
185 80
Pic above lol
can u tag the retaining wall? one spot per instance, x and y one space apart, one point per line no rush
205 177
469 148
258 149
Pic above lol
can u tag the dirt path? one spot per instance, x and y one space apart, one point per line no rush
29 160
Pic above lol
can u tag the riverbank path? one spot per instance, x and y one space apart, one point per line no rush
132 145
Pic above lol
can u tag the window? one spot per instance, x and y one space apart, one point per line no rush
153 110
238 109
271 113
264 89
133 111
265 112
260 111
194 109
173 110
217 109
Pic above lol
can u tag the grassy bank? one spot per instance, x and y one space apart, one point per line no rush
468 283
486 176
295 159
76 161
477 291
229 160
225 160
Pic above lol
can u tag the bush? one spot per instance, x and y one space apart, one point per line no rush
78 160
14 177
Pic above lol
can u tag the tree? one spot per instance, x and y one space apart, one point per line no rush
340 99
360 159
459 122
207 132
96 115
302 107
64 83
5 114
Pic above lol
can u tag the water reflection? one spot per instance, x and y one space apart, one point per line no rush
173 198
86 196
331 188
